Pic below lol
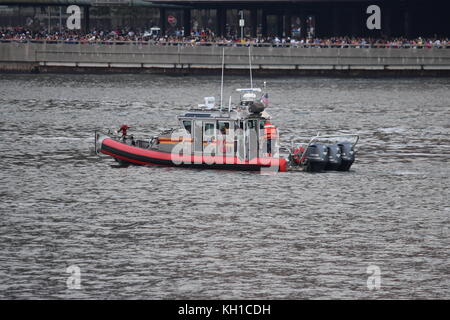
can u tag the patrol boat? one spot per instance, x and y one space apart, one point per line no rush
238 137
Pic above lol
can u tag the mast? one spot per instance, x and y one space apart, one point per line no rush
221 85
250 65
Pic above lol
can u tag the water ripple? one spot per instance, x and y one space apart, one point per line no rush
161 233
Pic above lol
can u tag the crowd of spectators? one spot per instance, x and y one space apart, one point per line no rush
153 36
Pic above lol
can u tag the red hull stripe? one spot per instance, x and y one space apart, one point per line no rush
138 151
144 157
129 160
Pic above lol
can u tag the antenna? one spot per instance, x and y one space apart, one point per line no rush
250 64
221 85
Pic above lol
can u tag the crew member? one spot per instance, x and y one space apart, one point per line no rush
222 142
123 129
270 133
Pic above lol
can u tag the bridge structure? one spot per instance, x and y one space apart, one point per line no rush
145 57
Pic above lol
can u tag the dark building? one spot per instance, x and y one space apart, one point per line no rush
263 18
302 18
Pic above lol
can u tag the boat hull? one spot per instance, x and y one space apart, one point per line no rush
125 153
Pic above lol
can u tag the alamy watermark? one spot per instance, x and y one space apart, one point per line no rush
74 20
374 20
231 148
74 280
374 280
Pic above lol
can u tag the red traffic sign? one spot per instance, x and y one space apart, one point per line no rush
172 20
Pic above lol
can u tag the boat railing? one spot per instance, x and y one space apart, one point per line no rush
284 149
98 134
185 43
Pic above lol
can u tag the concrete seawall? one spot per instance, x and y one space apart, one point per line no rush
141 57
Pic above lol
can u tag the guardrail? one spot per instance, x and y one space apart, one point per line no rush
147 56
233 44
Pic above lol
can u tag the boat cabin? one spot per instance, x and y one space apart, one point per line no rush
209 129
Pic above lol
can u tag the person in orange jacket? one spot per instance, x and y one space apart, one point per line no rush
270 133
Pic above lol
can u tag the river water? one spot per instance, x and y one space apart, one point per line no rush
167 233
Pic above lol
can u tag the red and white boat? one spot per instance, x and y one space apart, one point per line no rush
240 137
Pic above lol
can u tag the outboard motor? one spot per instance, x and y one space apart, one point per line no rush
347 155
316 158
334 157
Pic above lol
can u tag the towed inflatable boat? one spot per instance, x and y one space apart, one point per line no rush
240 137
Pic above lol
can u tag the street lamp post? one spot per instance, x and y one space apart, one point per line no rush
242 24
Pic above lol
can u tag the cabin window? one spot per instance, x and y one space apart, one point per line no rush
209 129
188 125
261 124
224 127
251 124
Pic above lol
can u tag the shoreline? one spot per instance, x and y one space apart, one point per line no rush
333 71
